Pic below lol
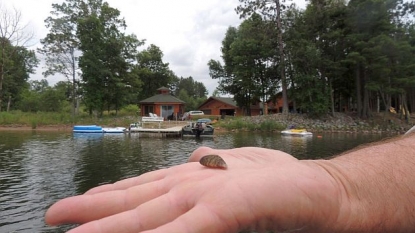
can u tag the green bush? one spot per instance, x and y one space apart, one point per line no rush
6 118
129 110
234 123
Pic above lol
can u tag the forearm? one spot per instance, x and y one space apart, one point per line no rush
377 185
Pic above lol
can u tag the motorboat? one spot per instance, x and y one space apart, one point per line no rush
296 132
134 127
114 130
97 129
198 129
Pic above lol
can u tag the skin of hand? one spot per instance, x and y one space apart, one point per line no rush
261 189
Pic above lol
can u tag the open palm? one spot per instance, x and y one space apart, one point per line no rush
261 189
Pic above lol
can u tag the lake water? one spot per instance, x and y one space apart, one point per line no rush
39 168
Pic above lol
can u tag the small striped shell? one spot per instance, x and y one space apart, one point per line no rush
213 161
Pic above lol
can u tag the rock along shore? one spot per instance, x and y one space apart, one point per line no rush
340 122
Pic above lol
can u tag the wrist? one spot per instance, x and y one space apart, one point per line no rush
376 190
328 193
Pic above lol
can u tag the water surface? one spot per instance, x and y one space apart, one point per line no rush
39 168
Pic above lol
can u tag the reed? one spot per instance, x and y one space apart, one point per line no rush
244 123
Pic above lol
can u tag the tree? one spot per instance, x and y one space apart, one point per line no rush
248 53
234 76
22 63
216 93
315 47
13 38
192 103
270 10
369 21
91 31
39 96
153 72
61 44
193 88
106 53
224 73
253 53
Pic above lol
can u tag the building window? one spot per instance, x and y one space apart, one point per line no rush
148 109
207 111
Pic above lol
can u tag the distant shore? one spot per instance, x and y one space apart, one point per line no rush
384 123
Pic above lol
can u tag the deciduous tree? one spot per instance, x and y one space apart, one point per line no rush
61 44
15 37
153 71
270 10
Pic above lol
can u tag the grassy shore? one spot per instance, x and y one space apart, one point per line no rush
48 120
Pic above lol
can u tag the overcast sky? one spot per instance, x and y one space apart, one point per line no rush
189 32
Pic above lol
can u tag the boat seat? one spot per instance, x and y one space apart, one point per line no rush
152 118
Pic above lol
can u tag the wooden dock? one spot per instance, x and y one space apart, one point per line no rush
175 131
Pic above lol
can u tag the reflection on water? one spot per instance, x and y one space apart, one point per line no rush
37 169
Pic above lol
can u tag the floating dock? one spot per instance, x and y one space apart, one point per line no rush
175 131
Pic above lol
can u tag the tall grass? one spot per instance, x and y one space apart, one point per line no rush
34 119
244 123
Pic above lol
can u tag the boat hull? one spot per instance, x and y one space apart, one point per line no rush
300 133
114 130
192 130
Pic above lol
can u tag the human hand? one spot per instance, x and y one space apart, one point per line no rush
262 189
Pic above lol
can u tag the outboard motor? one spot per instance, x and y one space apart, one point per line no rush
199 129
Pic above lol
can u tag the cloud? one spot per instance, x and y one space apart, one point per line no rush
189 32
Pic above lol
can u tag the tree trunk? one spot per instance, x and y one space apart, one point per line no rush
265 111
405 108
282 60
331 97
1 86
366 99
386 99
2 75
411 99
8 103
366 108
377 103
401 112
73 86
358 92
295 106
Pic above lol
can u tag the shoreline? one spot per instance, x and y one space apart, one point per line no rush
221 130
38 128
340 123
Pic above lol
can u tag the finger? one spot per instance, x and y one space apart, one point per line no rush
84 208
200 219
130 182
150 215
144 178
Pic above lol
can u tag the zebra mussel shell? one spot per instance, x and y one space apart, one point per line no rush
213 161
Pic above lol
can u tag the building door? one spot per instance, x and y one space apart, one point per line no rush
166 110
